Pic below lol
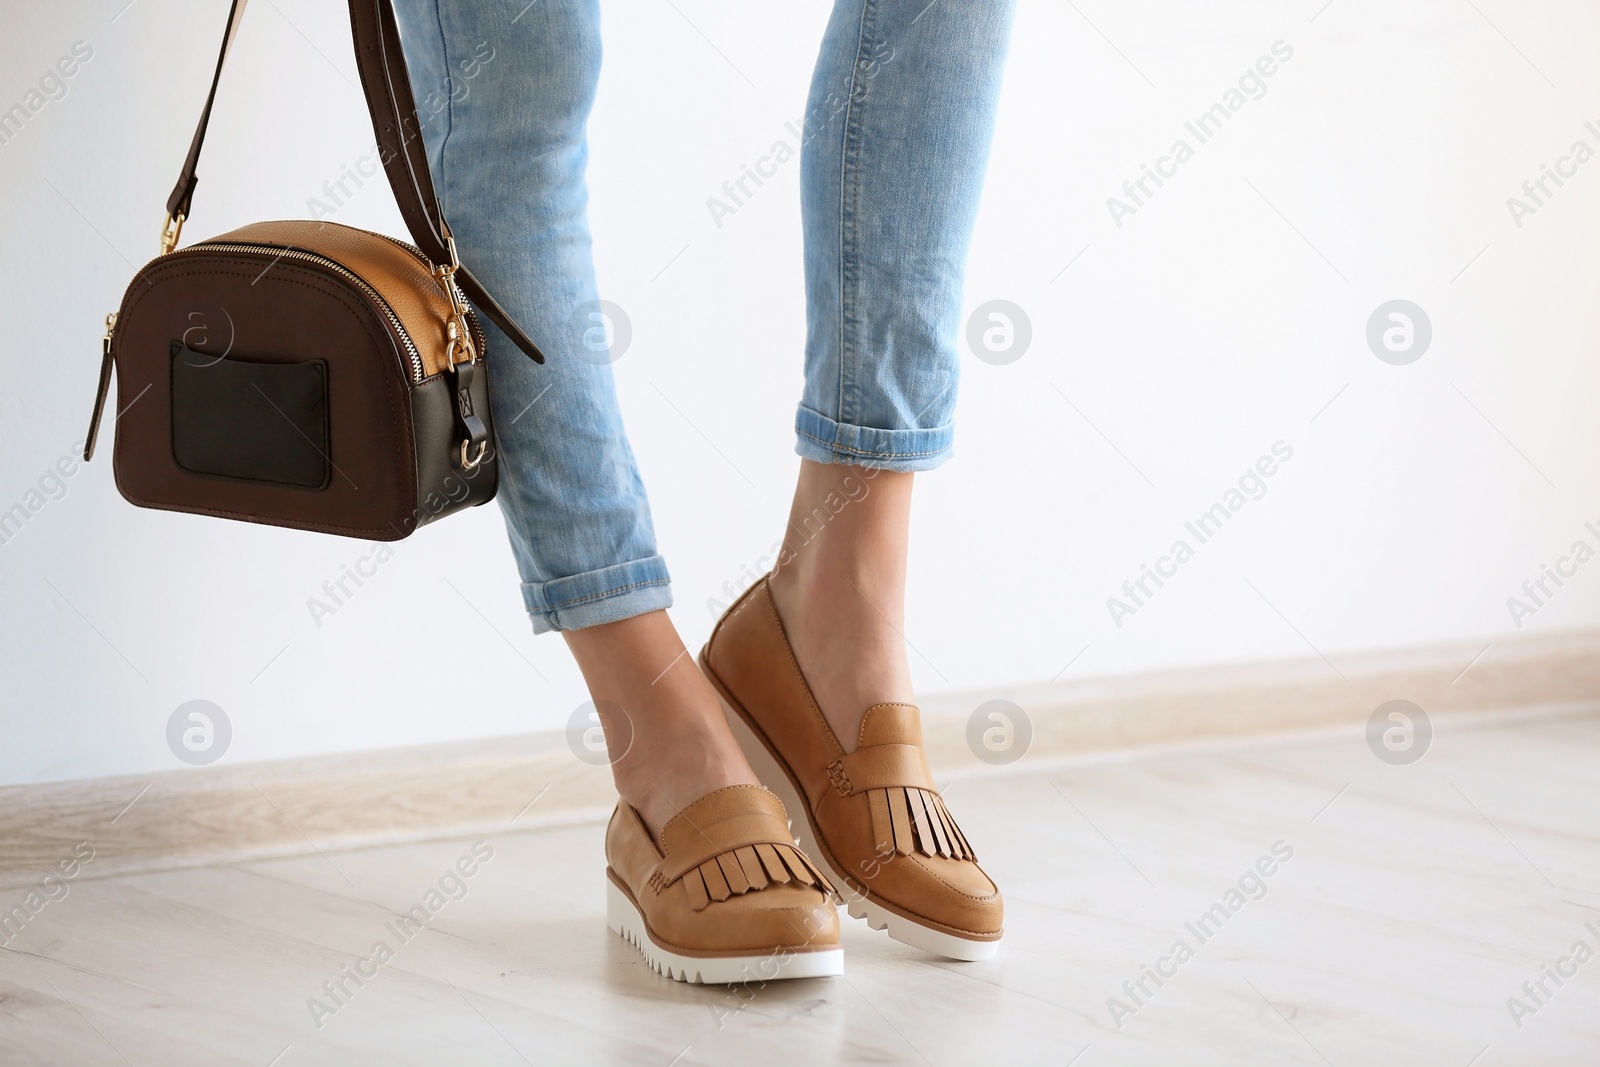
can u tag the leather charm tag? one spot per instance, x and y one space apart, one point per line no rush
474 433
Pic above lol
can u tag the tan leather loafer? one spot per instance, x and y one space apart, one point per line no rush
727 897
872 817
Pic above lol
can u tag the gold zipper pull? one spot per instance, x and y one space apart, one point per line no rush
170 229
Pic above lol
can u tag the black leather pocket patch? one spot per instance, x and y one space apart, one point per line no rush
250 421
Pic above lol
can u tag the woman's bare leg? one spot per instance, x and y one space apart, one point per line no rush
677 744
840 588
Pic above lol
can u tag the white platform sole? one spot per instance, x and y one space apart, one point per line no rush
624 918
877 916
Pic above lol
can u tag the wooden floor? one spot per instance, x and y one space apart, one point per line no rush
1416 901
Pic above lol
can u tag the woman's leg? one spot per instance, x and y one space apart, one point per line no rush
504 92
674 746
898 128
504 101
813 659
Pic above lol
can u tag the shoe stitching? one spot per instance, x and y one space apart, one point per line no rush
789 650
861 733
955 888
683 810
689 951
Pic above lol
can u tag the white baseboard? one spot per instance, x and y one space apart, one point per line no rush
241 812
1535 675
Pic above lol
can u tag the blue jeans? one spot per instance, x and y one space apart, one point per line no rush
894 145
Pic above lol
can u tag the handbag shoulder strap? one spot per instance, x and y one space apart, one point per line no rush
183 192
387 86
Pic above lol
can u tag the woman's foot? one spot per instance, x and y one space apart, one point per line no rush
721 894
669 742
824 633
840 587
871 816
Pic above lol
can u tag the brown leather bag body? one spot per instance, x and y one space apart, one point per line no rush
308 374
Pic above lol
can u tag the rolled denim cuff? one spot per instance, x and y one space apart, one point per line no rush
823 440
609 594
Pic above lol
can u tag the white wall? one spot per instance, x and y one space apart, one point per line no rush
1195 336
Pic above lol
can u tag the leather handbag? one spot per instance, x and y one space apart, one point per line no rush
308 374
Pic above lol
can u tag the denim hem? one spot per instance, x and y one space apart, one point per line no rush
608 594
825 440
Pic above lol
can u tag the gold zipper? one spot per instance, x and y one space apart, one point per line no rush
452 290
408 246
279 252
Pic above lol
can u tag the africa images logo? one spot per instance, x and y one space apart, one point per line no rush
1252 85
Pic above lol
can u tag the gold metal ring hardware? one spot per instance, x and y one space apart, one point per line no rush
450 245
457 332
458 338
170 229
467 465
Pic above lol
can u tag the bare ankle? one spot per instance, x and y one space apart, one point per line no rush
840 589
668 742
847 532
